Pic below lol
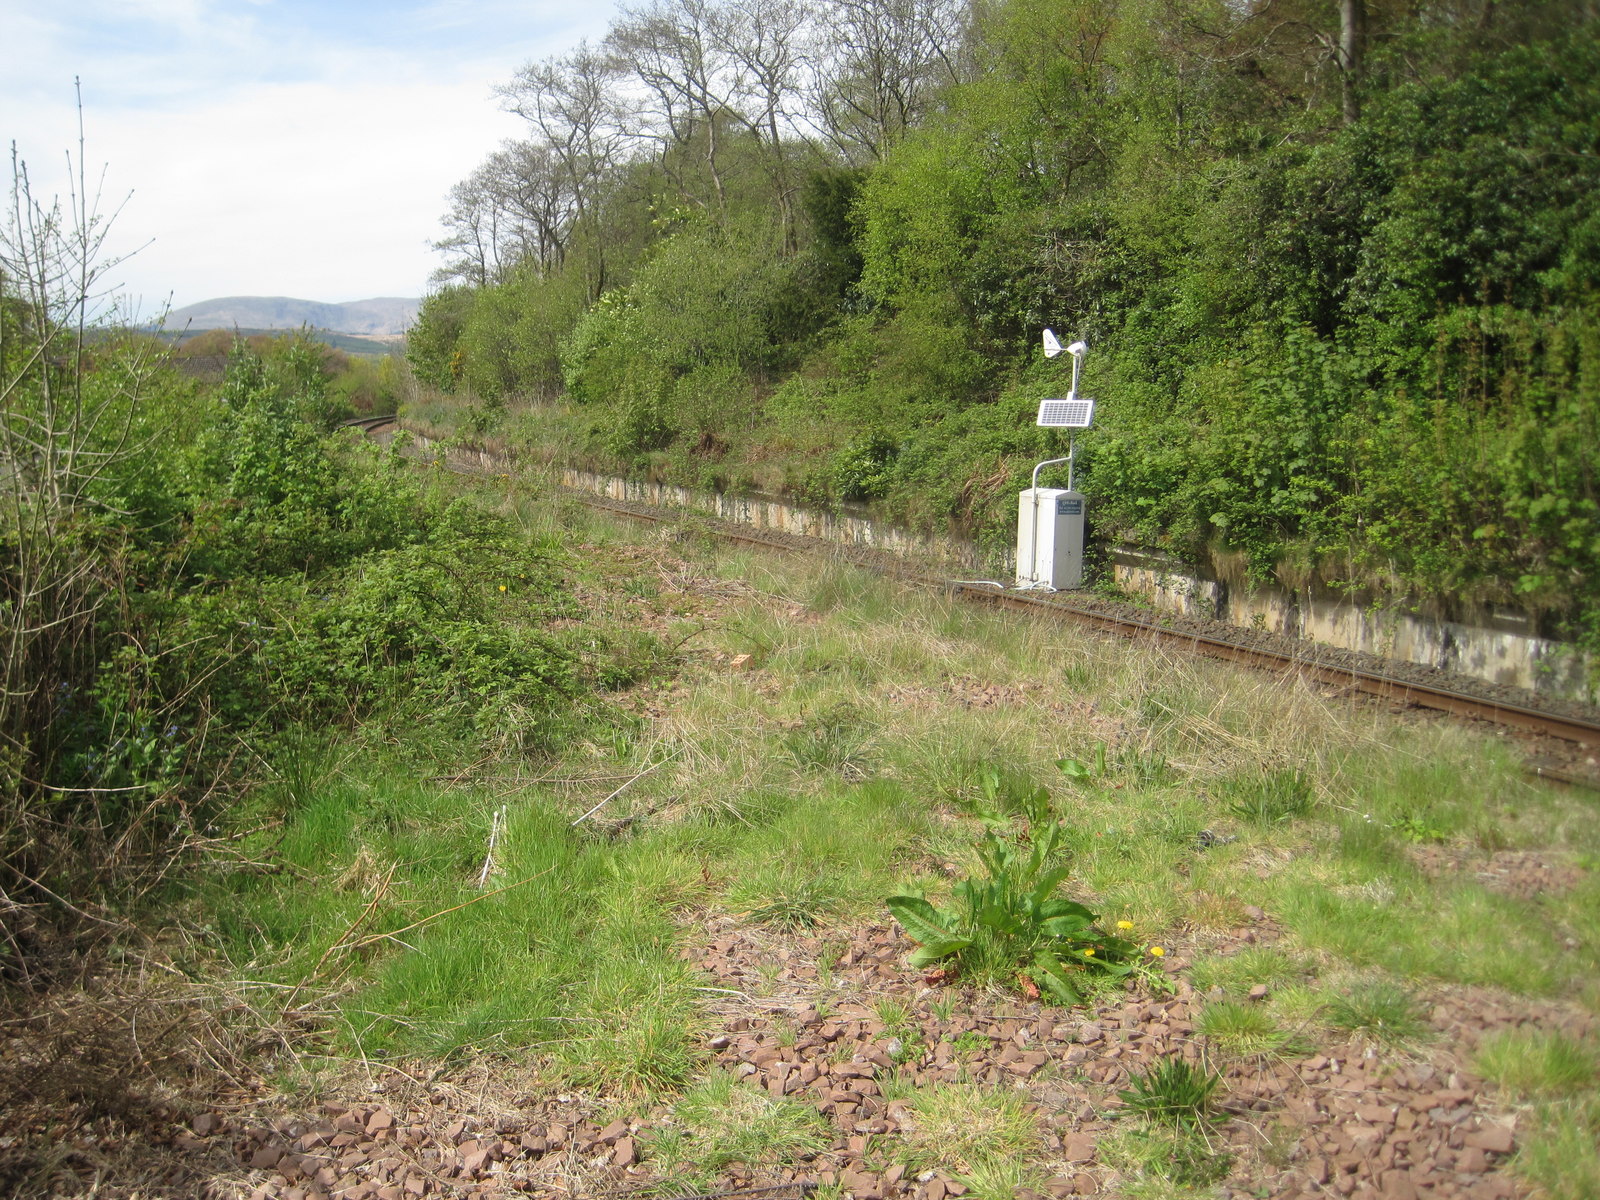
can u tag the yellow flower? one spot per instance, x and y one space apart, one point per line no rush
1124 924
502 587
1089 953
1157 951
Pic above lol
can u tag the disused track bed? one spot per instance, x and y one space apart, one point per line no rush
1332 667
1564 738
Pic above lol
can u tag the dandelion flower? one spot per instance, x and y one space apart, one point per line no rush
1157 951
1124 924
1089 953
502 587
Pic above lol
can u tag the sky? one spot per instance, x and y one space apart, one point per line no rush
298 148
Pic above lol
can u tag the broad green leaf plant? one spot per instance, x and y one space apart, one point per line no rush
1011 926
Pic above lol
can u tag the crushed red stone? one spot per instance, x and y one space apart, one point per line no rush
802 1016
1362 1125
1525 874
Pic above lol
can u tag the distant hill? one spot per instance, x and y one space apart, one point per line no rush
386 316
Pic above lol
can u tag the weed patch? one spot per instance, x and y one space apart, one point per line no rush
791 799
1011 921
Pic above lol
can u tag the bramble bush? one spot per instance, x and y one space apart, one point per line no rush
251 577
325 583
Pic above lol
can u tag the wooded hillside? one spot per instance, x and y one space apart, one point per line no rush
1337 264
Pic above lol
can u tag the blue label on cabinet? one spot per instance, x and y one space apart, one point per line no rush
1069 506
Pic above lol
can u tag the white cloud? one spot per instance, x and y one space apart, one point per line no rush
312 190
260 166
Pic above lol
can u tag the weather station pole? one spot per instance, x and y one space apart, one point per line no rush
1050 520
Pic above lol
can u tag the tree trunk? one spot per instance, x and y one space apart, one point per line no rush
1352 51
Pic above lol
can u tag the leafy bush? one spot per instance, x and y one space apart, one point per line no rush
433 343
510 342
284 577
861 471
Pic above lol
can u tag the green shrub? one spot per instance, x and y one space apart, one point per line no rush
863 469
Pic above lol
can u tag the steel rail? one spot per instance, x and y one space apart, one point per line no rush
1374 683
368 424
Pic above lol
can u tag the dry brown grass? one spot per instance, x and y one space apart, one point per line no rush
95 1071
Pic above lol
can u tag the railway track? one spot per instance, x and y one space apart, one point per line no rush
369 424
1565 727
1578 731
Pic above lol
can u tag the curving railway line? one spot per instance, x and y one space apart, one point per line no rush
1579 730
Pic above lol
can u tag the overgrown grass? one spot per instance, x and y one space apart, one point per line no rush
854 756
1237 973
565 948
1533 1062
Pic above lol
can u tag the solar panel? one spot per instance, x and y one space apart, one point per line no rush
1066 414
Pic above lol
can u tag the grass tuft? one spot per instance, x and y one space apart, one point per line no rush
1270 798
971 1130
784 896
1243 1030
838 739
1161 1162
1380 1009
1174 1091
1537 1064
725 1121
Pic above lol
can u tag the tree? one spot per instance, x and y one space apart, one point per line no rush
573 101
70 439
473 240
764 40
881 63
1352 56
517 206
537 196
678 51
